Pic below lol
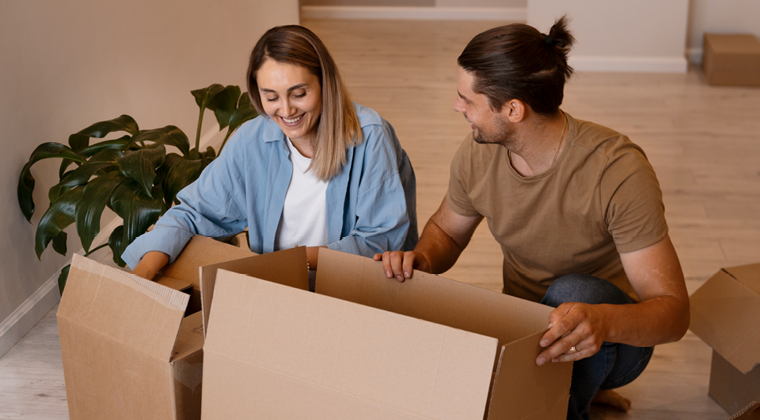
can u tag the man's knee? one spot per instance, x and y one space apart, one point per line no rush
583 288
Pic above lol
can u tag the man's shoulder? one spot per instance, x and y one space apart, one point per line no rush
592 138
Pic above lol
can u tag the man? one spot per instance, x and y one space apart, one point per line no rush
575 206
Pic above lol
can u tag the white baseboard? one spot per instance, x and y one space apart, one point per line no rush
47 296
694 55
29 314
629 64
415 13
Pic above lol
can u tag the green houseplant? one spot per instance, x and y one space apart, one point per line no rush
133 175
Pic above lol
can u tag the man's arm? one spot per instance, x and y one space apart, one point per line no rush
662 315
445 236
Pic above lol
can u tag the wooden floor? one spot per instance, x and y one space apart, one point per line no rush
703 141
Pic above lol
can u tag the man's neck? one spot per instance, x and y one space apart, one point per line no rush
540 142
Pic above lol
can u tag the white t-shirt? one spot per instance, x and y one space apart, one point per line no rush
304 217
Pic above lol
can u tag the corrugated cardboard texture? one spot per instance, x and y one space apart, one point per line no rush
522 388
429 297
187 368
107 380
725 313
135 312
287 267
198 252
731 59
750 412
274 352
730 388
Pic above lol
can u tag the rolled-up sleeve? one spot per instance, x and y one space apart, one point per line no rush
209 206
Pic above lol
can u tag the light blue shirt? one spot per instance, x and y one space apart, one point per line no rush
371 205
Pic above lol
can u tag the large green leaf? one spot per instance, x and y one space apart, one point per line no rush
118 245
137 209
115 144
59 243
101 162
63 277
179 173
244 112
169 135
60 215
140 165
204 95
223 104
96 194
26 180
103 128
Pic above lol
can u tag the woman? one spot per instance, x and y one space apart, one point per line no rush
313 169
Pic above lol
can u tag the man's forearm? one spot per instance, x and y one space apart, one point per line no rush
438 248
659 320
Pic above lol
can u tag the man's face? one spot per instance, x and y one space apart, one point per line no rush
488 126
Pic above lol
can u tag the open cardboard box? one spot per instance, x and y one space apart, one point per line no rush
367 347
129 351
725 314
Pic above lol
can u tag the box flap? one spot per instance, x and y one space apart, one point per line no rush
430 297
287 267
748 275
750 412
733 43
725 314
172 283
135 312
351 360
522 389
200 251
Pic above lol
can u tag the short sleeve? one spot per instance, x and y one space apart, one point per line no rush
635 213
459 181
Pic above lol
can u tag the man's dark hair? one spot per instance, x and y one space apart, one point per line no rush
518 62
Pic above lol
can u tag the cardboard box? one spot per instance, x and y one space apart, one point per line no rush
731 59
368 347
128 350
725 314
750 412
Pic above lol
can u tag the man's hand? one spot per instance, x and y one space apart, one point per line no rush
401 265
576 331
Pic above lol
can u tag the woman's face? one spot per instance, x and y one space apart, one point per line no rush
291 96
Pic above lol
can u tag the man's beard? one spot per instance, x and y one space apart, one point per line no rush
503 135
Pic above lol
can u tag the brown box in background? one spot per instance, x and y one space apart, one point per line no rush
128 350
725 314
458 352
731 59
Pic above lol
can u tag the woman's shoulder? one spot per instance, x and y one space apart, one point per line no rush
255 133
367 116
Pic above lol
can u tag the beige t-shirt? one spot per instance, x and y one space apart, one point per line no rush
599 199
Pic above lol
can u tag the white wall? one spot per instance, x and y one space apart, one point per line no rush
645 35
732 16
67 64
496 10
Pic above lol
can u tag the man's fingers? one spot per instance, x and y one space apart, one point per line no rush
558 329
409 262
570 345
397 260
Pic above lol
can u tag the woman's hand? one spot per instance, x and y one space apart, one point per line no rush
150 264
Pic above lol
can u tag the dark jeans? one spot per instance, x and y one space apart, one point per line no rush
615 364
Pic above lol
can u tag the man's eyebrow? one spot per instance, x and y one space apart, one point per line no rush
290 89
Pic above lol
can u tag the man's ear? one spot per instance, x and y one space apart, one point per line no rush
513 110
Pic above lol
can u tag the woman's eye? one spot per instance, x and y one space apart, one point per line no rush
271 99
299 95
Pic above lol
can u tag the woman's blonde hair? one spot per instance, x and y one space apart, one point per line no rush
338 126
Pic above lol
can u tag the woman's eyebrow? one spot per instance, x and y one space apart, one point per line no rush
290 89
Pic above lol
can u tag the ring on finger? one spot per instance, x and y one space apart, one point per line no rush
572 350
